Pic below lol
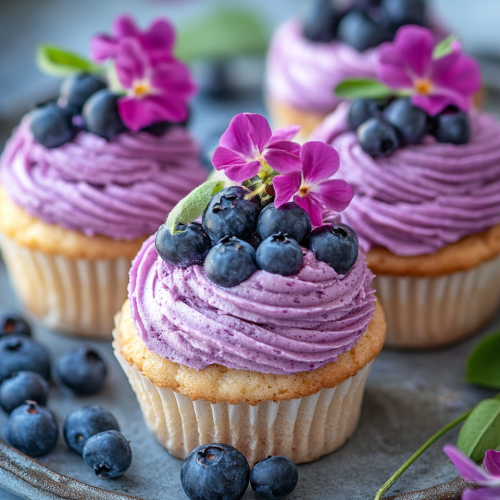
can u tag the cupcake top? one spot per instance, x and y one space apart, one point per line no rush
113 154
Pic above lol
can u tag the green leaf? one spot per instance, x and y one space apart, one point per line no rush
56 61
444 48
481 431
483 365
358 88
221 34
194 204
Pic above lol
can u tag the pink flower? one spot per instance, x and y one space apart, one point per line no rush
408 64
473 473
313 188
156 90
248 147
158 41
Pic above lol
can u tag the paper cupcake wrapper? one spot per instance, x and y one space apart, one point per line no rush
302 429
76 296
431 312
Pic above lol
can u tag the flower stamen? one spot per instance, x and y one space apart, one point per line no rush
141 88
304 191
423 86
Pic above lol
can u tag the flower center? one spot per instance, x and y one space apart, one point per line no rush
141 88
423 86
304 191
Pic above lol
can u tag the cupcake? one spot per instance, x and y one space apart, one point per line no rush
85 180
426 172
308 59
250 328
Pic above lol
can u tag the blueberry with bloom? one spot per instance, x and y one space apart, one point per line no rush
410 66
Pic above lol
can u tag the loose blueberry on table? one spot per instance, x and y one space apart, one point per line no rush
274 478
23 386
13 324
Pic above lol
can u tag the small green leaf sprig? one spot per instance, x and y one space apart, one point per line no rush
59 62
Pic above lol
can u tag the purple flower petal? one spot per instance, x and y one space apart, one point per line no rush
174 78
286 186
482 494
235 167
102 47
334 194
124 25
469 470
285 133
159 37
319 161
132 62
431 104
312 207
492 463
283 156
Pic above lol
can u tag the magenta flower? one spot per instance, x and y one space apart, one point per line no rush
158 40
490 477
312 188
156 91
408 64
248 147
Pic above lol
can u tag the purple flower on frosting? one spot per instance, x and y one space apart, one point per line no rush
408 64
490 477
249 147
312 188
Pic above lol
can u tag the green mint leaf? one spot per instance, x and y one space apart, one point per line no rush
444 48
194 204
481 431
483 365
358 88
58 62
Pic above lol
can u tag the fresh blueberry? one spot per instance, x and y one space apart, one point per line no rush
230 213
100 115
77 89
378 137
32 429
188 246
51 126
401 12
21 387
108 453
411 122
230 262
159 129
337 245
362 110
85 422
215 472
279 254
20 353
365 4
288 219
321 22
82 370
452 127
13 324
274 478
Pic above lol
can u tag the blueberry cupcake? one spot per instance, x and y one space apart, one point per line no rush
426 172
252 327
85 180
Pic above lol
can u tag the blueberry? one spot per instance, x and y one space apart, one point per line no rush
32 429
279 254
18 353
255 240
321 22
85 422
378 137
13 324
159 129
215 472
229 213
186 248
337 245
274 478
108 453
365 4
77 89
411 122
21 387
51 126
82 370
452 127
362 110
100 115
401 12
230 262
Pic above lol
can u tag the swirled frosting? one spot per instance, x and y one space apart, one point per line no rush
423 197
122 188
269 323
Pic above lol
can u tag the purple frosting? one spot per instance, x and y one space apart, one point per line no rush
122 188
269 323
423 197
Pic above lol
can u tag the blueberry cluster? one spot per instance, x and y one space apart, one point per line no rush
384 126
237 237
216 471
362 24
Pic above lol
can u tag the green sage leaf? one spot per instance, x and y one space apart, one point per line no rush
56 61
444 48
481 431
483 365
358 88
194 204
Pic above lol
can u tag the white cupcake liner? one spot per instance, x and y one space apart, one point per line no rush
302 429
76 296
431 312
